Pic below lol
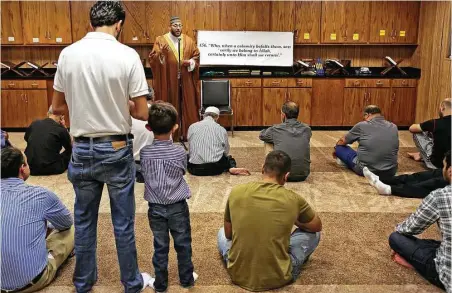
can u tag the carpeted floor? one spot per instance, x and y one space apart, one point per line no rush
353 255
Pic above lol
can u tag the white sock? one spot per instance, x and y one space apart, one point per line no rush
371 177
382 188
340 163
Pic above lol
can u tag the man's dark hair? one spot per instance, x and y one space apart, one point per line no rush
106 13
290 109
12 160
372 109
447 158
162 117
277 164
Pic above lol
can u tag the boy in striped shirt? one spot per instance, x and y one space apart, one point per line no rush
163 165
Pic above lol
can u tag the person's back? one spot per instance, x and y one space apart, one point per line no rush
45 139
208 141
141 137
441 131
263 216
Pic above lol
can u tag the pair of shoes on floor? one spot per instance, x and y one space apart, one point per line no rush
374 180
152 280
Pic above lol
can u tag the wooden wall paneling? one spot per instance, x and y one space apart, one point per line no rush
406 22
357 14
80 20
327 101
232 15
432 57
381 21
257 15
34 21
333 21
158 15
282 16
210 10
11 23
186 10
58 22
307 21
135 27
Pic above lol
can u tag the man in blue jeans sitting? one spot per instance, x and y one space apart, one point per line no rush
261 246
430 258
378 145
102 82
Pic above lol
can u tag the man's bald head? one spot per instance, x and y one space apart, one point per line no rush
445 108
446 104
290 110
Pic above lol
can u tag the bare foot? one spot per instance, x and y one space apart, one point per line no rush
401 261
239 171
415 156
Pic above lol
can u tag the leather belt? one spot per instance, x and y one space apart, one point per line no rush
108 138
34 281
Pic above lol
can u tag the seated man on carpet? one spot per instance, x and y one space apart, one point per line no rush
45 140
259 244
378 145
433 138
141 138
291 137
209 147
30 257
430 258
416 185
163 164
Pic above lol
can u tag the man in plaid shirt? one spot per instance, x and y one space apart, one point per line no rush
430 258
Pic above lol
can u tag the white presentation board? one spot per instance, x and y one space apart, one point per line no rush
245 48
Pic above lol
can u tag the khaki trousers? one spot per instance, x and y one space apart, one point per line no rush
60 245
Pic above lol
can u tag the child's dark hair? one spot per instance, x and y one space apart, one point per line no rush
162 117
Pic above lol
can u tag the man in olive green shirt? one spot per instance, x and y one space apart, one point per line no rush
258 244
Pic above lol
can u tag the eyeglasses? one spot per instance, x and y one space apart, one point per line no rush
177 25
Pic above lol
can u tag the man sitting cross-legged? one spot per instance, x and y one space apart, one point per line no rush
258 243
430 258
291 137
433 137
209 147
378 145
417 185
29 258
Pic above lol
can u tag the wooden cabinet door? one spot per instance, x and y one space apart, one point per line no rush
355 99
403 106
307 21
257 16
11 29
382 17
14 109
80 19
333 21
34 19
406 22
36 104
248 106
58 22
134 31
356 21
232 17
301 96
381 97
273 99
158 15
327 101
207 15
282 18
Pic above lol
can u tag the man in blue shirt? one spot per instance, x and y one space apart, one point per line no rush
29 259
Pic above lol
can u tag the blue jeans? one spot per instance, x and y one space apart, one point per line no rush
349 156
420 253
302 245
92 165
173 218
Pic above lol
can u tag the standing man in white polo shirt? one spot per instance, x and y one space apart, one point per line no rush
102 82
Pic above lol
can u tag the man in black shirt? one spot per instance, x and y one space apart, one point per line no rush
433 137
45 140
